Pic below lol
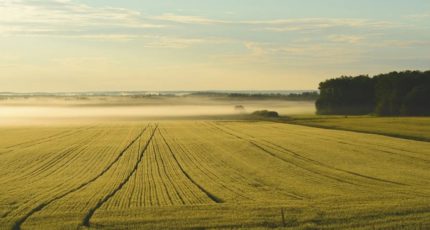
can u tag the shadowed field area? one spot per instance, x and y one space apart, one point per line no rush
209 174
415 128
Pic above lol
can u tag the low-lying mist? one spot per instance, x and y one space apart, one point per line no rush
27 113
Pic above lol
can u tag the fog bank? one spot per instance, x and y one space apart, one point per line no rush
32 113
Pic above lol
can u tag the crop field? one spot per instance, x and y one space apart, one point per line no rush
210 174
415 128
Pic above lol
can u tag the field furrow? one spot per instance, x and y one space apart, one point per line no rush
43 140
300 152
163 182
90 213
217 163
27 135
73 199
56 183
25 186
212 174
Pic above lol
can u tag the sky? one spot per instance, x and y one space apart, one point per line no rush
106 45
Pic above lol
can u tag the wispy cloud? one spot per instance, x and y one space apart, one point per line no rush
64 16
187 19
178 42
420 16
79 62
351 39
257 49
308 24
67 18
109 37
296 53
403 43
282 25
320 52
154 41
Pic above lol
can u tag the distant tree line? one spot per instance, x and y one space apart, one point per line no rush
266 113
304 96
397 93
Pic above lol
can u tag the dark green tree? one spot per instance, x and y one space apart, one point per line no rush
391 94
346 95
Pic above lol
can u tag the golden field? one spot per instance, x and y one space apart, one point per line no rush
209 174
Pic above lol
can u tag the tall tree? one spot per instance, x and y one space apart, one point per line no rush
395 93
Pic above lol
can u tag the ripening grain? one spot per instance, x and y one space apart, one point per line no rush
210 174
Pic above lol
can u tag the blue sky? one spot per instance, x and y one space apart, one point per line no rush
71 45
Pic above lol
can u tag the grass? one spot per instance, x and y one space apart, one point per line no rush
210 174
414 128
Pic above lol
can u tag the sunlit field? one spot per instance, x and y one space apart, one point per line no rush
173 174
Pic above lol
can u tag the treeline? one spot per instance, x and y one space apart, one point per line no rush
266 113
397 93
304 96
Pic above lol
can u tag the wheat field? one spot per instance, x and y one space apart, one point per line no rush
210 174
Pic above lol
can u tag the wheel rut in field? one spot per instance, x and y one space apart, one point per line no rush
299 166
209 173
31 143
34 180
90 213
290 194
161 164
40 207
256 145
313 162
55 159
42 140
404 154
206 192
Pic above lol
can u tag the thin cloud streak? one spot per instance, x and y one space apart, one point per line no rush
281 25
188 19
20 17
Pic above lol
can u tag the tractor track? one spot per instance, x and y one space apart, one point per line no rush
208 194
313 162
90 213
20 221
